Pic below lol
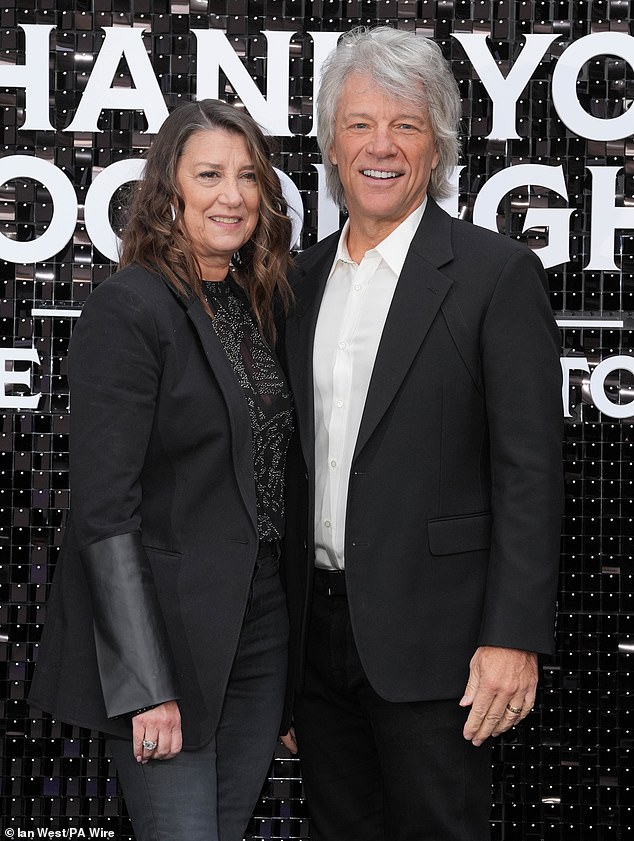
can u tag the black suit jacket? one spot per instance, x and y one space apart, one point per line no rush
455 494
151 586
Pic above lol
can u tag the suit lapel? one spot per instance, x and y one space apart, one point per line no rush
419 293
308 285
237 409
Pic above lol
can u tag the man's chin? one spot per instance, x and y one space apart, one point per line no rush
379 210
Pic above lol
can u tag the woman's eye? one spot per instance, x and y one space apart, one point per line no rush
249 176
210 174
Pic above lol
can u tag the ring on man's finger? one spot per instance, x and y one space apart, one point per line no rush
514 710
148 744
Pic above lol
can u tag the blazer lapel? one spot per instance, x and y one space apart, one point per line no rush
238 412
419 293
309 284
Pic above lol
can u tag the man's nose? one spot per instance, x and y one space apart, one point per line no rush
382 143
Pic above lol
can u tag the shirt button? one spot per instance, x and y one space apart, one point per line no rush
357 287
339 404
327 523
342 345
333 463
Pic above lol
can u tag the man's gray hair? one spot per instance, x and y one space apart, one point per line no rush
408 67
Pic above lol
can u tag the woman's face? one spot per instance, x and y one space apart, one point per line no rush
216 179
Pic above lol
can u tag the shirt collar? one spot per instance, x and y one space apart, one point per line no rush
393 249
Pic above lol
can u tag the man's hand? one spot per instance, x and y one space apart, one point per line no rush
161 726
500 690
289 741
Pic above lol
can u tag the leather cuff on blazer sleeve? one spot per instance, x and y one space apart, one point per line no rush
135 661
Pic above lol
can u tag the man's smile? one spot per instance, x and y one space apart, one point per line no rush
380 173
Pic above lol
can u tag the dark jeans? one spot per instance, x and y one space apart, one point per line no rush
376 770
209 794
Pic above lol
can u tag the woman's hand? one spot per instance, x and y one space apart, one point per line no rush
161 725
289 741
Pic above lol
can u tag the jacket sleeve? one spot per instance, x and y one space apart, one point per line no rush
132 648
115 366
520 349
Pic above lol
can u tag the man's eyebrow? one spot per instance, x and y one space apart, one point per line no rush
363 115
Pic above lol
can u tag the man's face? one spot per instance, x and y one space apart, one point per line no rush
384 149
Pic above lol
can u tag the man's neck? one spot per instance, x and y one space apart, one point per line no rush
363 238
365 234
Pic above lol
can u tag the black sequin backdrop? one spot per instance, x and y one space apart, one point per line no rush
567 772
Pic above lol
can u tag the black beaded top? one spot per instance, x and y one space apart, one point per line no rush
267 395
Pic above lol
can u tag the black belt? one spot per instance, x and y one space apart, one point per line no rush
329 583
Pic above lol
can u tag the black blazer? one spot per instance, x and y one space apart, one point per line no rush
455 495
152 582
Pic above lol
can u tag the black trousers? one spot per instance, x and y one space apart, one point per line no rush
375 770
209 794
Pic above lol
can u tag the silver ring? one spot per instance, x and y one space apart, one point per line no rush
514 710
149 745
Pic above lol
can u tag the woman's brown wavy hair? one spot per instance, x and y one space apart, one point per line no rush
154 238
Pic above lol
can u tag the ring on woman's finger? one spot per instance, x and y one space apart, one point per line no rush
148 744
514 710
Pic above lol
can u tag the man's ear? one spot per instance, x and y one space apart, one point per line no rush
332 157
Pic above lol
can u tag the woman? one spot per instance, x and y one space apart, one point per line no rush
166 625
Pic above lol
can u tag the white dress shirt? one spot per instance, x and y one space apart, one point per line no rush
353 311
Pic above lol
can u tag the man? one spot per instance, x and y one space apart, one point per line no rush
424 361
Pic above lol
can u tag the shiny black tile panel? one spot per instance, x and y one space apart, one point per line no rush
566 774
